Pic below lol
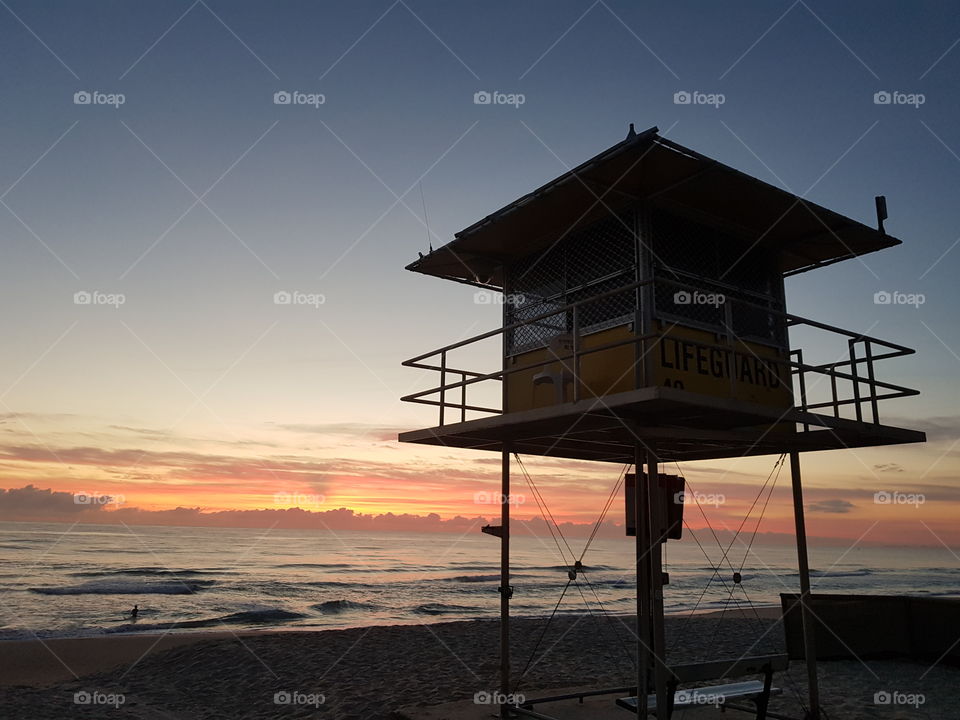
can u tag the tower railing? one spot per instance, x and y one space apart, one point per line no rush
847 382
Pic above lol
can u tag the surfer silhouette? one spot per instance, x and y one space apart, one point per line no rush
134 612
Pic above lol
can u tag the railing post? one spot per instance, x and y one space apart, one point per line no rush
802 383
463 398
443 383
802 380
868 353
833 389
851 343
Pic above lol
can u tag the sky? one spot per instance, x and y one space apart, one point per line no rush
186 194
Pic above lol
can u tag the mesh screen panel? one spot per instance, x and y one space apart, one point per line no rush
581 265
722 275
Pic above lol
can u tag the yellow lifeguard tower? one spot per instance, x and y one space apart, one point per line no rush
644 321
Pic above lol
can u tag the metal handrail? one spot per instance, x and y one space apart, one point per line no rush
799 369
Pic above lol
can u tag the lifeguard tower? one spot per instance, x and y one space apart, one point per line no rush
644 322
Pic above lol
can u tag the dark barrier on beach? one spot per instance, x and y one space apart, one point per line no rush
876 626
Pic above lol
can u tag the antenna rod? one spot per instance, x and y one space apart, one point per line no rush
426 220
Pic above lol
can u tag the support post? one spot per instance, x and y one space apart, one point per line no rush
505 584
641 522
809 645
655 505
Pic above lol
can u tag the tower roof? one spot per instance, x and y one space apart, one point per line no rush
647 167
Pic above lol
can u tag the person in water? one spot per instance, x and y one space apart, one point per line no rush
134 612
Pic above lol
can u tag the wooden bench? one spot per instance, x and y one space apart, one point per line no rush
757 691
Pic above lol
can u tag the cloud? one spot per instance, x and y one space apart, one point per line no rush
29 503
889 467
193 467
376 433
831 506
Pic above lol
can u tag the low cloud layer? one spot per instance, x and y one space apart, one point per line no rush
831 506
32 504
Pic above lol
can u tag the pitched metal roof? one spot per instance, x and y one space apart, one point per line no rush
647 167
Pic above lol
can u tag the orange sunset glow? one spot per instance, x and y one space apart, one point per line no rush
359 468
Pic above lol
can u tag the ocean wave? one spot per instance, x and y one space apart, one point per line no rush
338 583
473 578
149 572
311 566
263 616
119 587
862 572
442 609
331 607
564 568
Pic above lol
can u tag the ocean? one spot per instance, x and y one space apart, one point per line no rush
63 581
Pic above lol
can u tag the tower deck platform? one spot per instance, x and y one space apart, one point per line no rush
684 425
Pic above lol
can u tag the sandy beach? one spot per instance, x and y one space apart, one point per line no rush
401 671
